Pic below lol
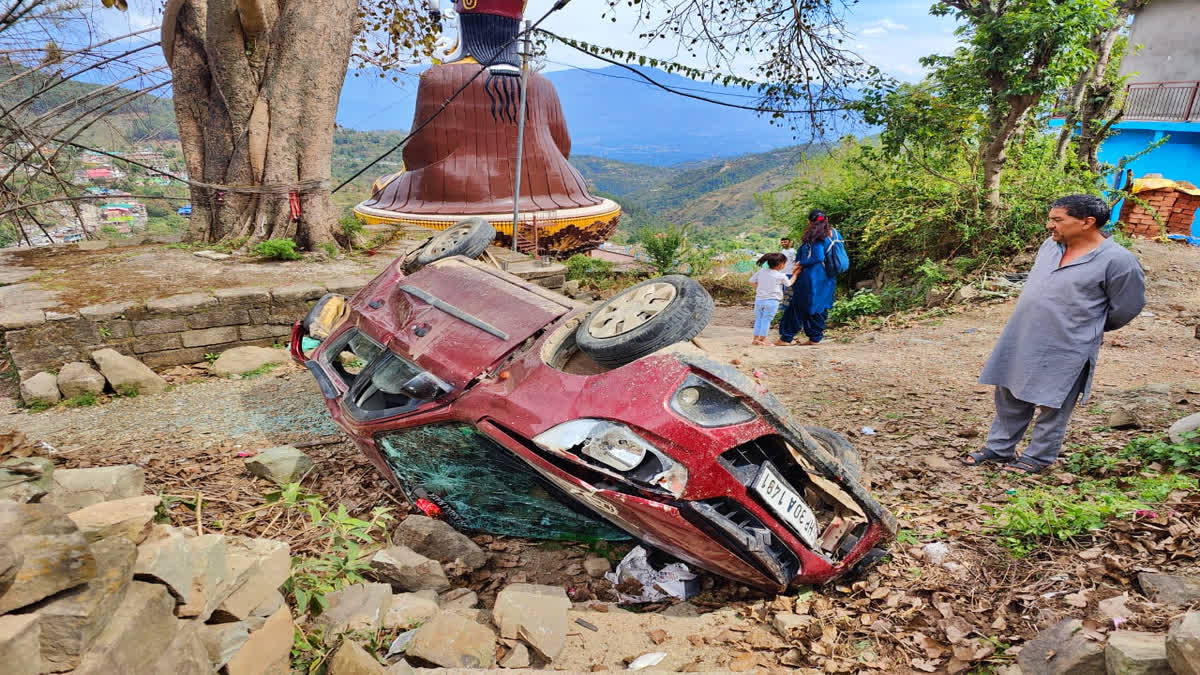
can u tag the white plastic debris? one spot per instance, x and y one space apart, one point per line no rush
669 582
647 660
401 643
936 552
868 431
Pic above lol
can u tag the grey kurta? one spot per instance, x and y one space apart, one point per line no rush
1059 321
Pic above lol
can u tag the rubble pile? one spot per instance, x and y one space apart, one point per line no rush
89 583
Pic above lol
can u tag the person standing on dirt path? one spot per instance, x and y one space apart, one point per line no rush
812 294
770 282
789 252
1082 284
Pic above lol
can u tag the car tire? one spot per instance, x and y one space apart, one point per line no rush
674 309
469 238
841 449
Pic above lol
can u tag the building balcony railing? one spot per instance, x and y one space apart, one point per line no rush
1163 101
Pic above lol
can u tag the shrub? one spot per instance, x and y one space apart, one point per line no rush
666 245
352 227
277 249
586 268
863 303
1183 456
699 262
83 400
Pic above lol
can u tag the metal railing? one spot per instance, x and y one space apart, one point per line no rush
1163 101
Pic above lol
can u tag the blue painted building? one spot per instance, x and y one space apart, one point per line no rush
1164 95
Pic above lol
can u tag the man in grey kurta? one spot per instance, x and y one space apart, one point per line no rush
1081 285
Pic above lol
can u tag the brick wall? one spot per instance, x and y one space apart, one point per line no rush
1175 209
170 331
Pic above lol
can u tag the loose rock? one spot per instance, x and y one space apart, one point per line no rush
1183 645
222 641
437 540
77 378
213 580
1124 419
1183 426
534 613
72 621
260 566
129 518
1130 652
1170 589
40 389
409 609
458 598
166 557
240 360
185 655
268 650
451 641
282 465
517 657
126 373
407 570
55 556
19 635
137 634
26 479
1062 649
10 562
351 659
597 567
76 488
355 607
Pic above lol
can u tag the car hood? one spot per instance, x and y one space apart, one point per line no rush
456 317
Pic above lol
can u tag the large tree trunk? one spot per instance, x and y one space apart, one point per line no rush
1003 123
256 92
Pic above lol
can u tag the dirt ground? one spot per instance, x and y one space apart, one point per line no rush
911 381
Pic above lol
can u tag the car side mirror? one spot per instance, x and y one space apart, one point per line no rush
425 387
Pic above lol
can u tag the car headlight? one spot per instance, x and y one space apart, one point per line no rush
617 446
706 404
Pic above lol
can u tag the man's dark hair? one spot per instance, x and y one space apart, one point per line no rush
1083 206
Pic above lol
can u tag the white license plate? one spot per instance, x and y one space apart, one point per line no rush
786 503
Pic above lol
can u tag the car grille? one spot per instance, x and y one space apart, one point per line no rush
744 533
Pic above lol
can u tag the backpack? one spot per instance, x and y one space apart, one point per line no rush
836 259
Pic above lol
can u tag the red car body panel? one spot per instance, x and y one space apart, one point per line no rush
504 388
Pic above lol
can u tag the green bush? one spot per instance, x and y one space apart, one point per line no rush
665 244
351 227
1183 456
586 268
277 249
863 303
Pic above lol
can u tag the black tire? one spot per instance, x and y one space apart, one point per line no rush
682 318
469 238
841 449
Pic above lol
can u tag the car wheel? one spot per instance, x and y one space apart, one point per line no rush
469 238
841 449
643 319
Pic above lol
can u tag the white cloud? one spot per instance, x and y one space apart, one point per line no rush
882 27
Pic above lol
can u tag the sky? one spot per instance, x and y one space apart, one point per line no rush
890 35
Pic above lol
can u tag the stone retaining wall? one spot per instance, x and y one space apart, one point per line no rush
170 331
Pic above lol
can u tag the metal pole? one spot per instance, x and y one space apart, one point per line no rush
525 50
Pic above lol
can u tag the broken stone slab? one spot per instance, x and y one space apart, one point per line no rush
400 668
40 389
351 659
1169 588
106 311
72 620
143 626
212 581
517 657
1122 418
181 303
1061 649
409 609
1184 425
1183 644
451 641
407 570
77 378
130 518
269 606
534 613
222 641
792 626
54 555
283 464
19 636
26 479
166 557
1131 652
597 567
126 373
185 655
261 566
458 598
240 360
10 563
16 319
436 539
268 650
355 607
76 488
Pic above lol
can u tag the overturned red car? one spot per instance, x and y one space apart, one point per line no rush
514 410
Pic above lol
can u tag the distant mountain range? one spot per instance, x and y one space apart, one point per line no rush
610 112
